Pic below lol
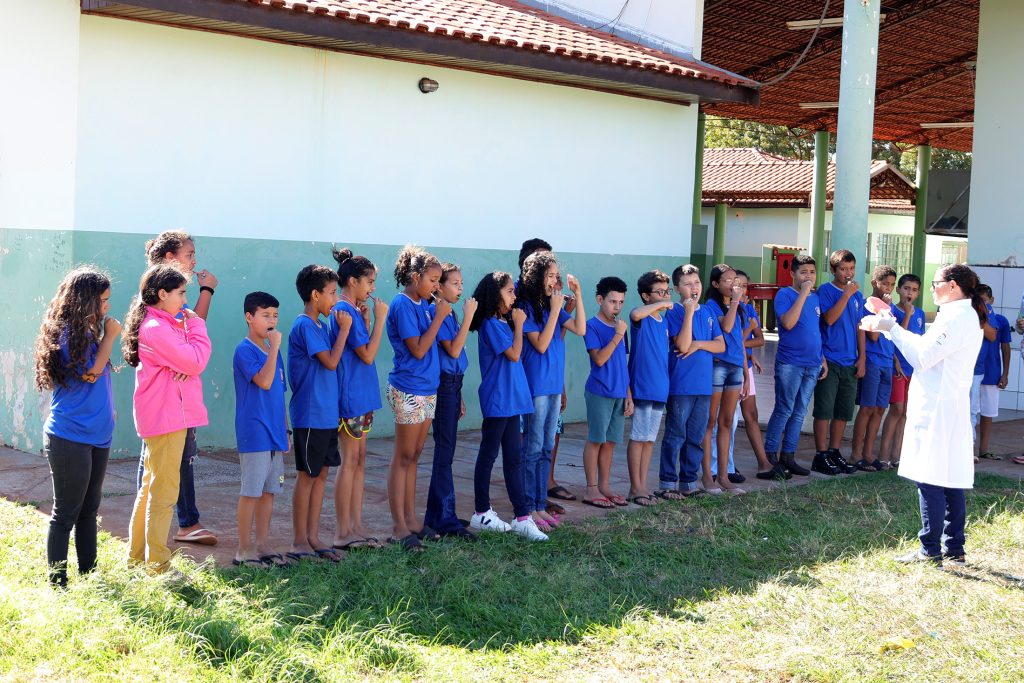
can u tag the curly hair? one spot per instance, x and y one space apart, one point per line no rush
413 259
73 316
170 241
158 278
530 293
447 268
488 296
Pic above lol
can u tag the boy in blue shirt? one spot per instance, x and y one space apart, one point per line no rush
799 363
648 378
312 365
875 388
910 318
261 429
607 392
991 373
696 336
842 307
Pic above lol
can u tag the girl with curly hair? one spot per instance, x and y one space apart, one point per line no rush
73 361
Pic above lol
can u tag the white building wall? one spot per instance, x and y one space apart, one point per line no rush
38 70
747 229
675 24
996 233
237 137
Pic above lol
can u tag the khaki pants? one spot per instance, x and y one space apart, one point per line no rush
154 504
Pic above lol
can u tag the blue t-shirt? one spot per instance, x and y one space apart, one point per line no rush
839 340
448 332
259 413
879 352
82 411
545 372
648 359
358 390
801 345
314 403
691 376
751 315
990 359
733 340
610 380
503 390
916 326
408 319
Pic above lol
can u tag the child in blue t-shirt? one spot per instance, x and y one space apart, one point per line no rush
540 295
799 363
358 393
607 392
910 318
991 373
451 340
72 360
412 327
875 388
648 382
842 307
504 397
261 428
312 364
696 337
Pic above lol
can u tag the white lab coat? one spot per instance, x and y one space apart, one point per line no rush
938 443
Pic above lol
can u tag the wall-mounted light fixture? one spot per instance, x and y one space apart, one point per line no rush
428 85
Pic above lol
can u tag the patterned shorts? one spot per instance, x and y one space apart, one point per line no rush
410 409
356 427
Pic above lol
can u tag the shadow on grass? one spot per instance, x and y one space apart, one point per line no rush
502 591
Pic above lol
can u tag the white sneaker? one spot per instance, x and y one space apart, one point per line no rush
488 521
528 530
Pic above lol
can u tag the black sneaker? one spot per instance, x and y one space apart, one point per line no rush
823 463
955 560
917 557
736 477
840 462
789 464
776 473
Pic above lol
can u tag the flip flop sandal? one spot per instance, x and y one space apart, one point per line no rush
560 493
643 501
199 536
618 500
427 534
990 456
357 544
1018 459
411 543
373 542
274 560
302 555
329 554
669 494
250 562
554 508
602 503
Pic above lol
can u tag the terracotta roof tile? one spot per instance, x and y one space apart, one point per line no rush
747 176
508 23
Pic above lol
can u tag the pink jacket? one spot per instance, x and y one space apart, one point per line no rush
168 346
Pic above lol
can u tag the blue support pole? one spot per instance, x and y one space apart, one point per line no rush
857 79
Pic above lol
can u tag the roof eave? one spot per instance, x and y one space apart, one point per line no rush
303 28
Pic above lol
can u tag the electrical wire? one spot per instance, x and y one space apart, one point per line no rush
792 68
614 20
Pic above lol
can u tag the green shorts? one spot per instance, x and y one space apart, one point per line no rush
836 395
604 418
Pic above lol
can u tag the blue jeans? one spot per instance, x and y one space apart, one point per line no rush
732 443
685 423
503 433
794 387
943 517
188 513
440 514
538 442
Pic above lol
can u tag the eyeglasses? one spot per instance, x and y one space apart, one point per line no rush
936 283
660 292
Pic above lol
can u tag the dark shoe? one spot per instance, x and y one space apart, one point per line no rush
919 556
777 473
789 463
736 477
553 508
823 463
865 466
955 560
840 462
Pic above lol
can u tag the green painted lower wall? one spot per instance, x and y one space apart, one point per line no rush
33 261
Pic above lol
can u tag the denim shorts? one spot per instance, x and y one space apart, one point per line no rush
646 420
726 376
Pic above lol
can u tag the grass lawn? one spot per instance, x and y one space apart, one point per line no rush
795 584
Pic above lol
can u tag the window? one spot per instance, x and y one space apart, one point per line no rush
893 250
954 252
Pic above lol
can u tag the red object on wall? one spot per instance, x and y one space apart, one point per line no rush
783 273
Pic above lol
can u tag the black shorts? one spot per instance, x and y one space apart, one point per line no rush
315 449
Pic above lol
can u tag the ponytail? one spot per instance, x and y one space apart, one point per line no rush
967 280
350 266
156 279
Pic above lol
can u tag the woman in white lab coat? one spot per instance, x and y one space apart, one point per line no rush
938 444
